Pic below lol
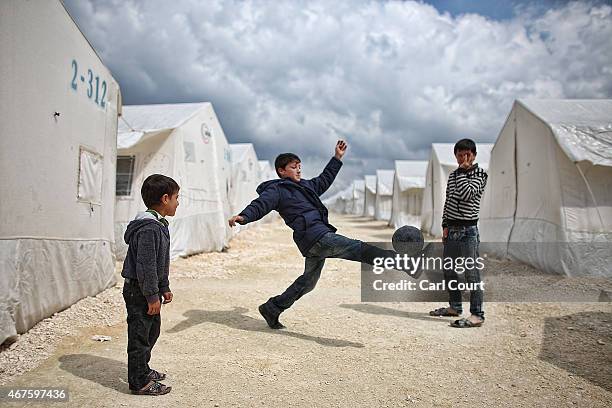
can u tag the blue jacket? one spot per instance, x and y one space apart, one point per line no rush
298 204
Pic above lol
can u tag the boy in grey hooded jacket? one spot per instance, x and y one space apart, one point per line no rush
145 270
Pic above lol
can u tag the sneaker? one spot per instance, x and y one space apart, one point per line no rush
153 388
271 313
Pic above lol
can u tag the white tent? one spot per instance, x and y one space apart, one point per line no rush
245 176
408 186
358 197
369 201
347 197
341 202
57 151
384 191
266 172
185 142
550 180
441 163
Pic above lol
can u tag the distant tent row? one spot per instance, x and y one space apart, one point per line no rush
185 142
74 159
550 184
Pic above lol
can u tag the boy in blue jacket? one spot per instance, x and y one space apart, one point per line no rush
298 203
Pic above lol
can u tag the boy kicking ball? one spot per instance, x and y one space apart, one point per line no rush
298 203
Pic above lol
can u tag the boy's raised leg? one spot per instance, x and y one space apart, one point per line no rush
302 285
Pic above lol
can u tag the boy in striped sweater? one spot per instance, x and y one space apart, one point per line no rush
460 234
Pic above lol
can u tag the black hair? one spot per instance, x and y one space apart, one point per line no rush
284 159
465 144
155 186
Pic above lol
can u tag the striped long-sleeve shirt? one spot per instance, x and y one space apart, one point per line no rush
463 193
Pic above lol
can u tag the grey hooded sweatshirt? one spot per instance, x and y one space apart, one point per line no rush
148 256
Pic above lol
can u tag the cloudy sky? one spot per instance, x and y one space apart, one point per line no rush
390 77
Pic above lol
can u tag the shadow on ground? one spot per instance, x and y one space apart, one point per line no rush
574 343
104 371
237 319
387 311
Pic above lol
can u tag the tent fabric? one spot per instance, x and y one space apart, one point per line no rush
358 197
441 163
57 207
266 171
349 200
582 127
384 192
245 178
408 186
539 193
341 202
146 119
196 154
369 202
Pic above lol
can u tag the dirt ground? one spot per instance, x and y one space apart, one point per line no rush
336 351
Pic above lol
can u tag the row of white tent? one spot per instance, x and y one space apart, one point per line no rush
550 183
185 142
72 172
73 160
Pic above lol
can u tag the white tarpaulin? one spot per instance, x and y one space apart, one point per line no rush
266 172
245 178
341 202
550 181
185 142
441 163
408 185
58 170
384 191
358 197
369 201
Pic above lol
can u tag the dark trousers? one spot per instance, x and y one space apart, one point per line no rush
463 242
143 331
331 245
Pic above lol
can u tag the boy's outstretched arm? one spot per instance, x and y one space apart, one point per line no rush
326 178
267 201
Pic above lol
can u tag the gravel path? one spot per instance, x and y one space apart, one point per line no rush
336 351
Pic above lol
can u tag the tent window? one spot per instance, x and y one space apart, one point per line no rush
189 148
125 174
90 176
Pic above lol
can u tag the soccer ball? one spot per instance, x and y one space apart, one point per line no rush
408 240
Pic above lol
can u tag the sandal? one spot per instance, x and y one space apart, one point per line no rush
465 323
153 388
444 311
156 376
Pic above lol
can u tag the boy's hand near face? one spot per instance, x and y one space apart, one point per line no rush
340 149
467 161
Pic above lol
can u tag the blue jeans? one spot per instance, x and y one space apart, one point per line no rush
331 245
463 242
